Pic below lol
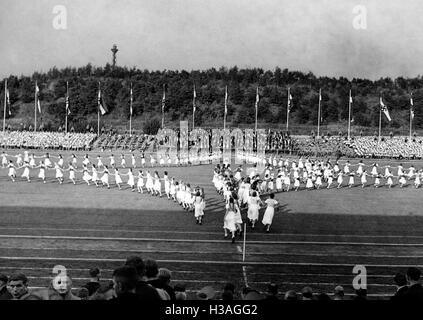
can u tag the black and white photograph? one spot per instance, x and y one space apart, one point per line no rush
224 151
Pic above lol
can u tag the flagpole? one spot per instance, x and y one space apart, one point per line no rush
318 120
163 102
349 116
35 108
226 106
287 112
5 105
66 106
130 114
256 111
98 113
411 119
380 121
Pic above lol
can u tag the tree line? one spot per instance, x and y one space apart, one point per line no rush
210 94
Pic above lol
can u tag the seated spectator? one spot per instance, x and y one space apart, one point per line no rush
228 292
144 290
94 282
18 288
401 282
83 293
57 290
291 295
104 292
248 293
125 281
338 293
307 293
206 293
151 273
323 297
360 295
272 292
180 293
415 290
4 293
164 282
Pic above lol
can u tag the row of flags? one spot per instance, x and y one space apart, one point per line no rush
103 108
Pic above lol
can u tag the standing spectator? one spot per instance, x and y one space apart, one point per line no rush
4 293
415 289
94 282
206 293
180 293
18 287
144 290
272 292
338 293
401 282
125 282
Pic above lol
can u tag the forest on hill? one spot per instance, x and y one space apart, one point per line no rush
210 94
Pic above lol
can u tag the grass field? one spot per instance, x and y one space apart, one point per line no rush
317 237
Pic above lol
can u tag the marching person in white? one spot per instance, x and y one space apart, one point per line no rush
363 179
3 159
134 161
157 184
42 173
229 219
25 173
131 180
105 177
140 182
112 161
86 176
166 184
95 177
71 173
12 170
269 213
99 162
118 179
253 208
59 173
122 161
199 208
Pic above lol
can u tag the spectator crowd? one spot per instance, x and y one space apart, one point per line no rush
138 280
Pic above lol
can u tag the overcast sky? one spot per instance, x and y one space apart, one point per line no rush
306 35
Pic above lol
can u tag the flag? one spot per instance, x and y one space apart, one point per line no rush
37 93
226 99
289 101
351 100
8 101
130 105
163 99
320 95
257 99
411 107
194 95
352 120
101 105
320 99
384 109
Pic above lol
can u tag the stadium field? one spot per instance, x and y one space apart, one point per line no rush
317 237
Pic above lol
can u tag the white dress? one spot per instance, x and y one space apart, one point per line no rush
140 182
118 179
149 183
166 184
105 177
47 162
95 175
253 208
42 173
25 173
172 189
309 183
229 221
59 173
198 206
157 184
12 171
270 211
71 173
32 161
86 176
131 181
340 179
363 178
